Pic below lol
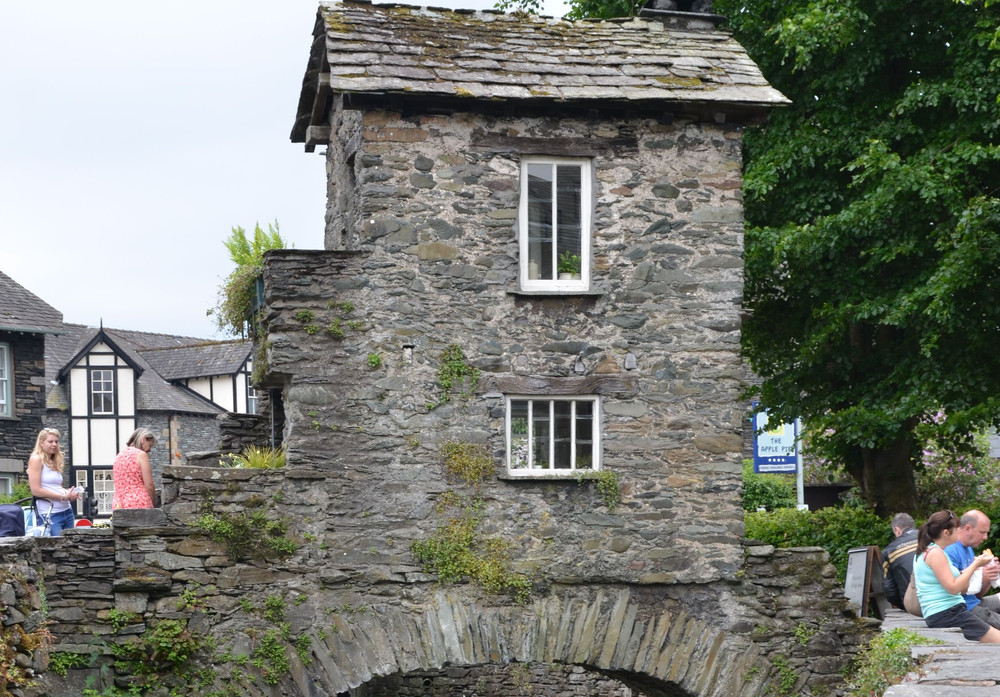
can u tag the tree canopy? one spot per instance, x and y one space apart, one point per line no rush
873 237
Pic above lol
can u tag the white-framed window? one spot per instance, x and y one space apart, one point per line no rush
6 387
553 435
102 391
81 485
7 483
104 491
251 397
554 217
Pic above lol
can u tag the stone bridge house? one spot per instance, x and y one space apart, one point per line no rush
511 388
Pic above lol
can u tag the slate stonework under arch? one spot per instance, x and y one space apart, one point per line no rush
613 631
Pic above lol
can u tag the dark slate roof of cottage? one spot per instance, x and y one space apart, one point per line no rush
405 50
199 360
23 311
153 391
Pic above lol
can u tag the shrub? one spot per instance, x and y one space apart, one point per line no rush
834 529
237 294
770 491
18 492
884 662
254 457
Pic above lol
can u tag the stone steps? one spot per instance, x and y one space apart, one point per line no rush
956 668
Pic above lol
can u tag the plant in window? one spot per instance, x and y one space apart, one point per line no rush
569 265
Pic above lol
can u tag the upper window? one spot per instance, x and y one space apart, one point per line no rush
6 393
102 392
552 436
554 220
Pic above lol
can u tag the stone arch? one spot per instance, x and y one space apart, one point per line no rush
658 648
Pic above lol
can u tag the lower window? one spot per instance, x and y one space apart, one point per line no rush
104 491
557 435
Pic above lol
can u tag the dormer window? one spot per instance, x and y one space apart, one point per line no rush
554 223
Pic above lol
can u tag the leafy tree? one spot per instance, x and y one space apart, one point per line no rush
237 293
873 240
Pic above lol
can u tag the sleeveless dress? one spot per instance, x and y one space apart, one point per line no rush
130 492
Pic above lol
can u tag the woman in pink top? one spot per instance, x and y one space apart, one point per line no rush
132 473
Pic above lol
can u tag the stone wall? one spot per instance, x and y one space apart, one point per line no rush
237 431
18 433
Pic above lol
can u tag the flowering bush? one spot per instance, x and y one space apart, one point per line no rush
958 478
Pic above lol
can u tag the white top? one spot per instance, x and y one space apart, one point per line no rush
52 481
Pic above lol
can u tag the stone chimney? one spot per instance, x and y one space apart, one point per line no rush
692 14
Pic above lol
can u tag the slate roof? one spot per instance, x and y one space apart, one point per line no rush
23 311
148 351
200 360
405 50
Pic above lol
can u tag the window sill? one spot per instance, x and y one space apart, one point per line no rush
555 293
572 475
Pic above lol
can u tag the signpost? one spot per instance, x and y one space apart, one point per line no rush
776 450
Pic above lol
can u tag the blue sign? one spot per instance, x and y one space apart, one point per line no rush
775 446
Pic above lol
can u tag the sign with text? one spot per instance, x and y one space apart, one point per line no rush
775 449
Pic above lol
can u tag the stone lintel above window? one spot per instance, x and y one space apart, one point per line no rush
619 385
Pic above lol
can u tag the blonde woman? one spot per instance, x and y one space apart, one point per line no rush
133 474
45 477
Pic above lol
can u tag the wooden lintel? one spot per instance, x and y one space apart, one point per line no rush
619 384
567 147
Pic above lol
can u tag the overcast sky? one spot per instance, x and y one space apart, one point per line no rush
134 136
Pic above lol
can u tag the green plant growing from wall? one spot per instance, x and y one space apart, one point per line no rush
608 485
274 609
374 361
165 647
457 550
786 677
885 661
269 657
119 619
454 372
61 662
470 462
247 535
